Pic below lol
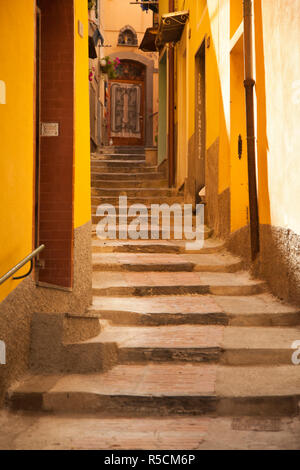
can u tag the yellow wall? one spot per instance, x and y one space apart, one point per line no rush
16 135
277 64
17 132
207 21
238 167
277 24
82 200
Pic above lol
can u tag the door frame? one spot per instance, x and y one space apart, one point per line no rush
37 139
199 156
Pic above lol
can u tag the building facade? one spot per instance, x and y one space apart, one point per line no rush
44 169
131 94
248 176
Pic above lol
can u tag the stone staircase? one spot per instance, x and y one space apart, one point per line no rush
170 331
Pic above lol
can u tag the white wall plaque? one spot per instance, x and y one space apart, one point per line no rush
2 92
50 129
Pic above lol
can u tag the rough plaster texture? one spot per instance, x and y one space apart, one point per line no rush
50 353
279 262
17 309
239 244
218 205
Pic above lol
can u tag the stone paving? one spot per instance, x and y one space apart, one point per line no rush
193 353
86 432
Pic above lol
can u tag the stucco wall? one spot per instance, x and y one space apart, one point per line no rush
19 299
16 136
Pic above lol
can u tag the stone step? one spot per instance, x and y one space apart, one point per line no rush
158 283
129 149
231 346
131 184
155 232
188 343
52 432
114 200
161 390
257 311
117 156
134 192
165 220
154 246
222 262
121 167
123 176
118 163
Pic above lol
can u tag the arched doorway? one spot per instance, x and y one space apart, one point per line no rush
127 104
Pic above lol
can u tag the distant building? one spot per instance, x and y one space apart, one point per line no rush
130 95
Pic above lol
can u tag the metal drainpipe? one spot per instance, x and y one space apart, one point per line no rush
249 84
171 140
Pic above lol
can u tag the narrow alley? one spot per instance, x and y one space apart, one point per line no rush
161 308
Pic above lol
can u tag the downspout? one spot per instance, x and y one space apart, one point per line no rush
171 100
249 84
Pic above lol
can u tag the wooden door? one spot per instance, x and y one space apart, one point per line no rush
127 105
127 113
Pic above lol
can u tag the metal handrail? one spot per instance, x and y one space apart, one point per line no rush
20 265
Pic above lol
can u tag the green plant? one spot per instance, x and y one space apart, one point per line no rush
110 66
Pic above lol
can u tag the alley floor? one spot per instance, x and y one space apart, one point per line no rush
179 349
85 432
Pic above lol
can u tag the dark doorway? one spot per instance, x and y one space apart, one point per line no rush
200 121
37 123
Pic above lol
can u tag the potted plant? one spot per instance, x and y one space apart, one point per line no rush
110 66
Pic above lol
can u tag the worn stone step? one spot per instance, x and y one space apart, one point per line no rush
160 310
141 192
157 283
258 346
143 219
117 156
118 163
52 432
153 246
257 310
121 167
129 149
161 389
222 262
189 343
232 346
147 200
132 184
123 176
156 233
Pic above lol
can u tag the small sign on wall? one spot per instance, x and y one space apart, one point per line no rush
50 129
2 92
